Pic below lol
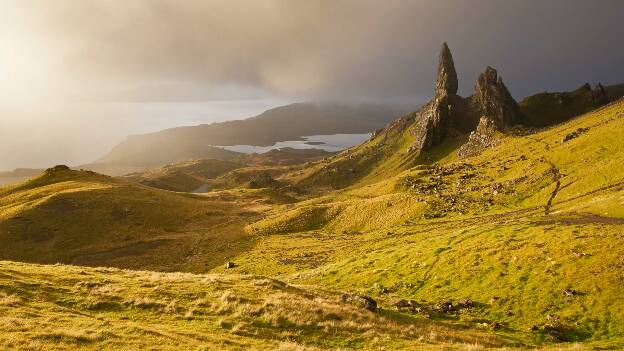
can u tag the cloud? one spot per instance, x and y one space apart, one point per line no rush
55 53
318 48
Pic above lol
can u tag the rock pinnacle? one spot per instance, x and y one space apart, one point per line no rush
447 77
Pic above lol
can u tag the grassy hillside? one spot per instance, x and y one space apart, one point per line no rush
82 217
187 176
74 308
546 108
530 230
200 175
527 235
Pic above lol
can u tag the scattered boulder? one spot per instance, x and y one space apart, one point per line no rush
410 304
445 306
229 265
495 326
574 134
465 302
481 138
555 333
362 301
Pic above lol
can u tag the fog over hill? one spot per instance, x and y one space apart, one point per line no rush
57 55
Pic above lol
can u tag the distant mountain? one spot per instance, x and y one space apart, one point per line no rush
18 175
279 124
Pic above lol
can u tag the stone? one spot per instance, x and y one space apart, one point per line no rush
229 265
483 137
492 100
362 301
465 302
574 134
447 76
445 306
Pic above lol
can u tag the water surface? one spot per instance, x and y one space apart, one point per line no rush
331 143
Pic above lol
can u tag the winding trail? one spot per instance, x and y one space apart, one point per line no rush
557 176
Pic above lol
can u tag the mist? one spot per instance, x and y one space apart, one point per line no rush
78 75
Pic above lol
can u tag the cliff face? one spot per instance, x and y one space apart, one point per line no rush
448 114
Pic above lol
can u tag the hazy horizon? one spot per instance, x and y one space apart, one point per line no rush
90 138
64 56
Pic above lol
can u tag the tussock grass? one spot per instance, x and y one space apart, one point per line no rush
182 311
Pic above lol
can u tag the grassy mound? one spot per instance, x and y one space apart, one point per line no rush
85 218
185 176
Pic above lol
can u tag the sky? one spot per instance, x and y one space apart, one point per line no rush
77 76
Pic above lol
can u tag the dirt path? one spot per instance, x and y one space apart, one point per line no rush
557 177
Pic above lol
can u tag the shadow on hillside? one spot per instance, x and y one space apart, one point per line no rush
441 151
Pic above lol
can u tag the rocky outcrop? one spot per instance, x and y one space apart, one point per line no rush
447 76
483 137
496 110
432 123
489 109
434 118
57 169
492 100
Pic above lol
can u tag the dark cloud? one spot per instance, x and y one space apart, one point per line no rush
359 48
56 53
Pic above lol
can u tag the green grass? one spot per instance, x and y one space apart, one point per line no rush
85 218
67 308
185 176
483 233
511 229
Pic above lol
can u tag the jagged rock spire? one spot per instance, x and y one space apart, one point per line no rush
447 77
489 110
494 101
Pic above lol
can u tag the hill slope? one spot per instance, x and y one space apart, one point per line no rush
518 233
511 234
81 217
530 229
279 124
76 308
546 109
188 176
198 175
